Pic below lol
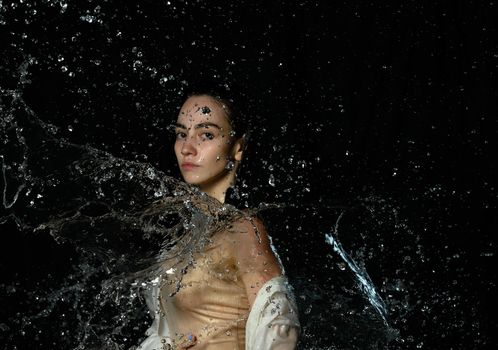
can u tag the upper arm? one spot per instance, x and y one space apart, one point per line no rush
256 261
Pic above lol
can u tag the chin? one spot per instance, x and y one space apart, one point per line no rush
205 180
191 180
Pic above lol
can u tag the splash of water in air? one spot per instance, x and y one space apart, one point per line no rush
364 281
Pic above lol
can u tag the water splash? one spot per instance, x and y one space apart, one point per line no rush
110 208
364 281
5 201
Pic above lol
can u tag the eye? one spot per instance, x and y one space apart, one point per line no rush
207 136
180 135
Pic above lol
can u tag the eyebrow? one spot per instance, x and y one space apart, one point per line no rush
198 126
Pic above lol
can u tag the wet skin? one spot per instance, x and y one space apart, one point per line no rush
203 146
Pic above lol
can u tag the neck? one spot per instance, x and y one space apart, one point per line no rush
218 189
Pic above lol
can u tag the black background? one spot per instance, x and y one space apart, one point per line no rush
389 100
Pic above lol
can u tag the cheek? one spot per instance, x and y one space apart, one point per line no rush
207 154
218 152
177 147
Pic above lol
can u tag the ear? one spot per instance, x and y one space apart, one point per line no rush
238 149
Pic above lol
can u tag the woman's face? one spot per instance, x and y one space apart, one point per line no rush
203 143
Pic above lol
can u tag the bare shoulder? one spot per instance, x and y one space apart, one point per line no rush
252 244
254 255
245 233
251 230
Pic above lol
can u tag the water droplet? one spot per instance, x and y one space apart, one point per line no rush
271 180
88 18
137 64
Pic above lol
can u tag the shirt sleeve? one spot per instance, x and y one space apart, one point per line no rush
273 322
158 332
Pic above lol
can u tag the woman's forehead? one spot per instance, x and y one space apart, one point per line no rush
200 109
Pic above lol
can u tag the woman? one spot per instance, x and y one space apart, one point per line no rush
232 293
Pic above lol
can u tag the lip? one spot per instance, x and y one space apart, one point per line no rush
189 166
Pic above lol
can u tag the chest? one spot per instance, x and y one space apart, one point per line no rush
209 278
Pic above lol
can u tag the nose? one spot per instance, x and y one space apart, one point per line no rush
189 146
